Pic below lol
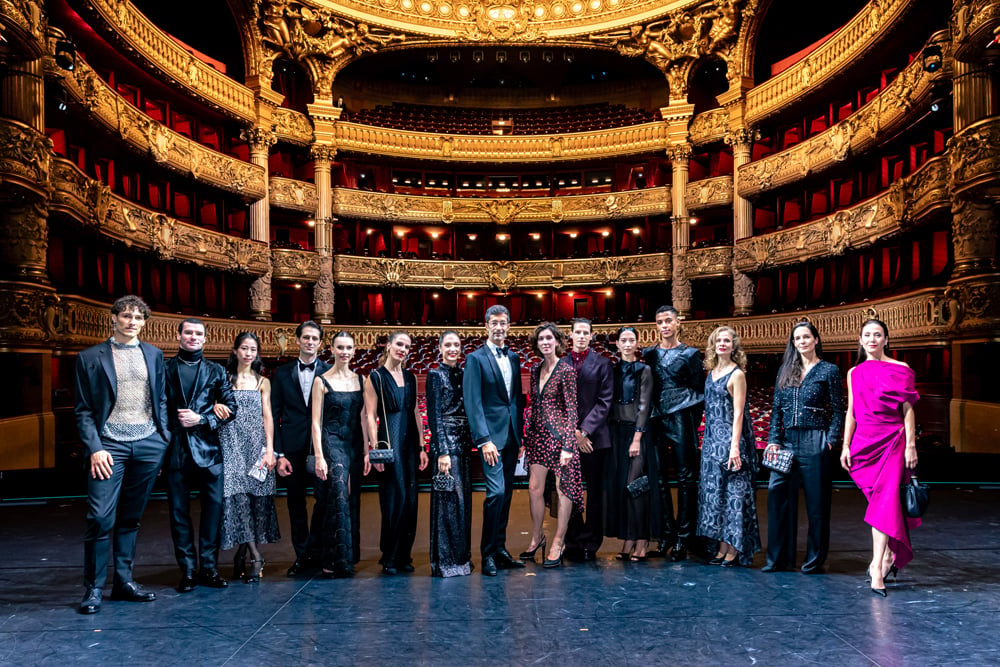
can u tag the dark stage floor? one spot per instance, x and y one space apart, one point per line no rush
944 609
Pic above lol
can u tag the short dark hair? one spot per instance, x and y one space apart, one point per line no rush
131 302
191 320
497 310
560 338
581 320
667 309
307 324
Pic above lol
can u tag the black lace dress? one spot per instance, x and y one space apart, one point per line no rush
727 505
397 483
341 435
451 511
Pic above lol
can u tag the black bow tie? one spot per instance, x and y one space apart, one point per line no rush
502 352
307 367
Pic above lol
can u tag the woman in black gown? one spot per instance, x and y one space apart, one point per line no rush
631 517
394 418
451 511
338 408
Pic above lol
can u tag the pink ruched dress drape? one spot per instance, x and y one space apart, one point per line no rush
879 390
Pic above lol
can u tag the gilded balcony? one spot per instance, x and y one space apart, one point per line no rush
297 265
709 262
868 27
291 194
148 137
708 127
292 126
709 192
93 205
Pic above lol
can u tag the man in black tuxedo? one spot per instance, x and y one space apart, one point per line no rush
594 393
194 460
678 403
291 408
494 404
121 415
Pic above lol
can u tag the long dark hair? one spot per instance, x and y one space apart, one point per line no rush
862 355
233 364
790 374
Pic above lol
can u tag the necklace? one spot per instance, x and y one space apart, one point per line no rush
189 363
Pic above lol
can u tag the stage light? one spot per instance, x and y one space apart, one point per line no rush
535 236
311 223
693 220
435 295
502 237
66 54
932 58
400 233
473 237
573 235
525 57
478 57
501 57
435 235
605 233
636 231
297 285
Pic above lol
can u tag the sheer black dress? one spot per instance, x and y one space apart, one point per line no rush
451 511
397 483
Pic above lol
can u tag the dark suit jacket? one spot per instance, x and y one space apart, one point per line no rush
678 384
201 442
491 411
292 415
97 389
595 389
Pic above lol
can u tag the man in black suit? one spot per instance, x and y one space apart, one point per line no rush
121 415
291 408
494 404
594 393
194 460
678 403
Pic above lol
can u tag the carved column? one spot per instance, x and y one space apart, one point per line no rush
260 141
744 287
974 234
22 93
323 297
974 94
681 295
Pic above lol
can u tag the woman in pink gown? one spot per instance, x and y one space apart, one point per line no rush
880 448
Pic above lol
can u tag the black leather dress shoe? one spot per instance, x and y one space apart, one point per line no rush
131 592
187 584
771 567
389 570
212 579
91 603
679 553
407 568
489 567
504 561
296 569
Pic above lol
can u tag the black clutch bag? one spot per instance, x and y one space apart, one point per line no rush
638 486
726 470
443 482
916 497
781 461
382 454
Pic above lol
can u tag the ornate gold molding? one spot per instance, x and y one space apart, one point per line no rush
974 159
292 126
291 194
92 204
860 35
709 262
897 105
167 148
974 25
412 208
302 265
708 127
25 157
888 213
709 192
369 139
501 276
931 316
170 62
26 22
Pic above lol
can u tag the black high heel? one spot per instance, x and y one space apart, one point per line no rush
256 573
555 562
881 592
530 554
893 572
240 562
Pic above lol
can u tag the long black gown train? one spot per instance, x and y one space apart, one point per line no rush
397 483
341 433
451 511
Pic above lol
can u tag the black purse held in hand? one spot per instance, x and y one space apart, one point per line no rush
382 454
443 481
781 461
638 486
916 497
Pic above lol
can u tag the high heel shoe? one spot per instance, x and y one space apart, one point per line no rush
881 592
893 572
555 562
240 562
717 560
256 572
530 553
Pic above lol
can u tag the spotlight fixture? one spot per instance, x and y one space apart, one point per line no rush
525 57
932 58
61 98
569 56
501 57
693 220
605 233
311 223
473 237
548 56
400 233
66 54
478 57
432 56
573 235
455 56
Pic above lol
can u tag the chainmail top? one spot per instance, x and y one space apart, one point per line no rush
132 417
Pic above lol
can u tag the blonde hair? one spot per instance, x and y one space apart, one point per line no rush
388 345
738 356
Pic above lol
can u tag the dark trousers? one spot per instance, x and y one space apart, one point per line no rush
587 531
811 471
397 496
499 490
115 506
305 545
208 482
677 437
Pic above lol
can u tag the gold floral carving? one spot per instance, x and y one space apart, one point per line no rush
92 204
896 106
501 276
974 233
25 156
973 156
708 126
172 150
391 272
709 262
298 265
323 294
502 211
292 126
26 23
291 194
974 25
159 53
501 21
709 192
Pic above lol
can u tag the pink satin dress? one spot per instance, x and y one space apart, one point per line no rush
879 389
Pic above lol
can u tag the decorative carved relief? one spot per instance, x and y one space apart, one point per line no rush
292 194
260 297
744 293
502 211
292 126
501 276
24 155
709 192
709 262
501 21
708 126
391 272
323 294
681 294
973 156
299 265
974 233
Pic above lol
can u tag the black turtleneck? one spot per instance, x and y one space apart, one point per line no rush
187 370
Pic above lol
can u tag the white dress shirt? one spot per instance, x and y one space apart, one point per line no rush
503 361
